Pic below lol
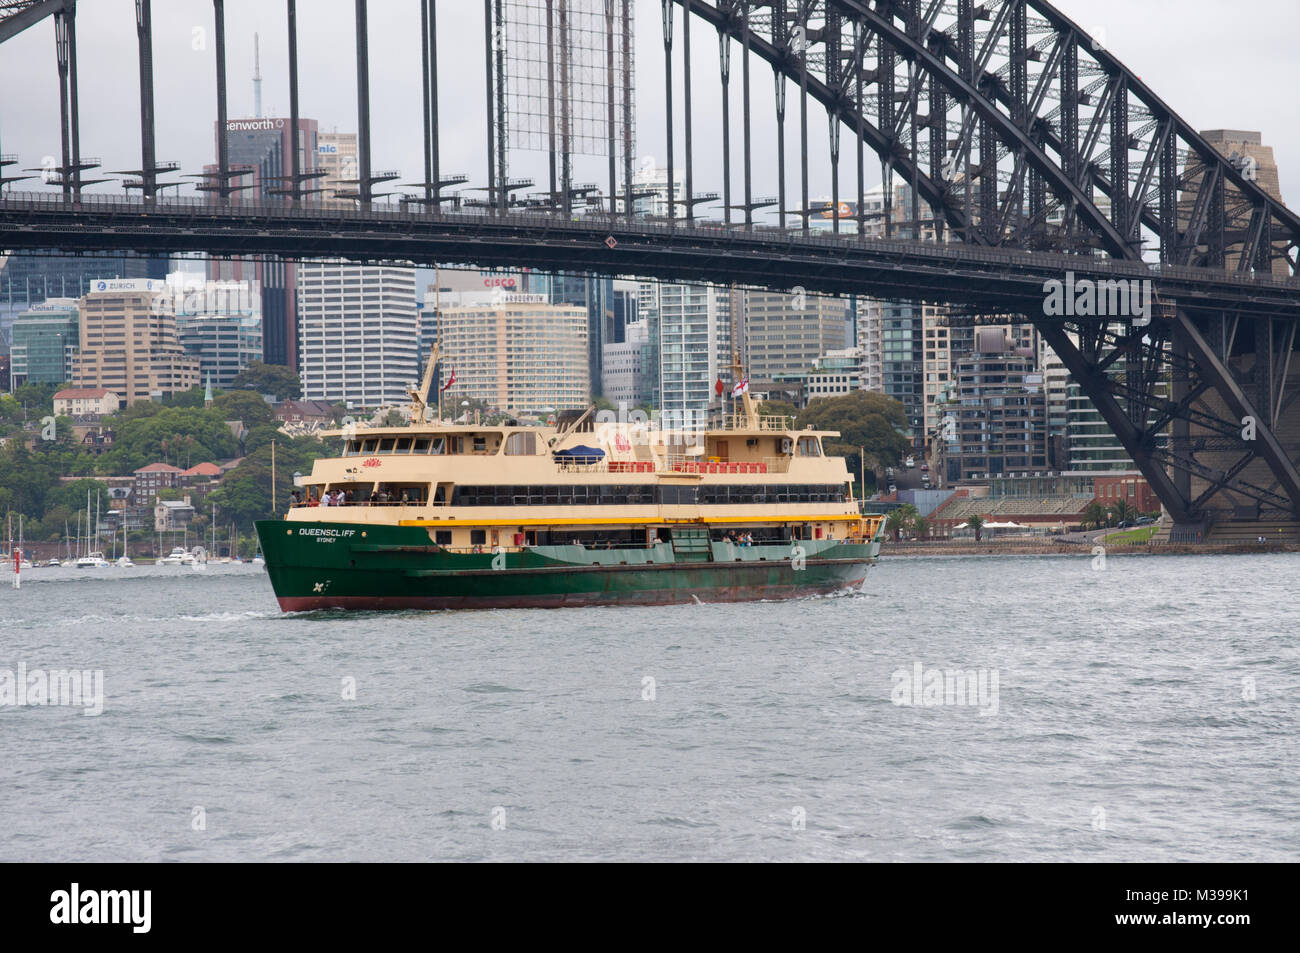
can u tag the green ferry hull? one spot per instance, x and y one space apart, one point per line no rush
368 567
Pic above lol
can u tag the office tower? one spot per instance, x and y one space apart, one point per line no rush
219 324
44 341
518 353
358 335
1001 417
622 375
787 331
129 344
263 146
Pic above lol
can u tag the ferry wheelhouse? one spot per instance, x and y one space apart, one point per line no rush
585 512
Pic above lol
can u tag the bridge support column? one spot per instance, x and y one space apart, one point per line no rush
363 104
148 155
223 137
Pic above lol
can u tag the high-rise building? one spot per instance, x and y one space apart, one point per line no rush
336 156
1001 417
592 293
683 349
129 344
264 145
358 335
518 354
835 374
28 279
786 332
44 341
622 374
625 313
219 324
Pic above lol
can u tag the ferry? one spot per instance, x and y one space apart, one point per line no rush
447 515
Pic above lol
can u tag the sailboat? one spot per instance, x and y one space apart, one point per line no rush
124 561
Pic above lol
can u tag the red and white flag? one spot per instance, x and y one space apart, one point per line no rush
740 388
450 380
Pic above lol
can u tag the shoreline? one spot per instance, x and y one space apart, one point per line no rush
1049 548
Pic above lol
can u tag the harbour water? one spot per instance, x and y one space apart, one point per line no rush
1141 710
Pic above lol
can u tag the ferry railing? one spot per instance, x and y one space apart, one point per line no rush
678 463
771 422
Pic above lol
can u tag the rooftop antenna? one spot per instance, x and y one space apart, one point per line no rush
257 77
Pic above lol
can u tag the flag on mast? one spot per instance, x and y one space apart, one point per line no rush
740 388
450 380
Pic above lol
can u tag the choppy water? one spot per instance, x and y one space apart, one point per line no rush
1121 732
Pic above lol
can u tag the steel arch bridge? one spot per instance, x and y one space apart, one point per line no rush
1030 152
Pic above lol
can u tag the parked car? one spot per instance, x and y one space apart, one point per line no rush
910 462
1145 521
925 467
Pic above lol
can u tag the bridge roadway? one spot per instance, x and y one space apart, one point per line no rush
982 278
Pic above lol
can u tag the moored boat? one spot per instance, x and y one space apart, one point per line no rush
587 512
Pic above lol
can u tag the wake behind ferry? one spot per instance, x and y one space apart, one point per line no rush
443 515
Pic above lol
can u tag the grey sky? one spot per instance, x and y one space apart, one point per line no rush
1217 64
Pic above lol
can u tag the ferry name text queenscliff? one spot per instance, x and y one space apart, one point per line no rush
71 688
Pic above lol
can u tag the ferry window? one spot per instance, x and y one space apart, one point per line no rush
386 445
438 445
369 445
519 495
521 444
403 445
552 495
783 494
350 448
442 537
608 495
808 447
456 445
440 494
421 445
535 495
480 444
477 537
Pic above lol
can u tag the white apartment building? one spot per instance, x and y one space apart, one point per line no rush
358 332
